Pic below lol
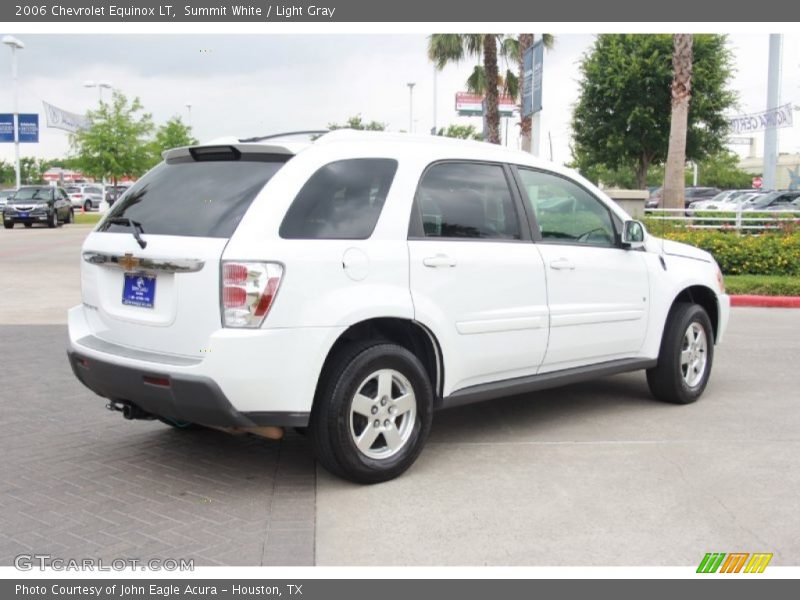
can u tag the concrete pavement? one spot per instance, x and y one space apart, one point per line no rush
592 474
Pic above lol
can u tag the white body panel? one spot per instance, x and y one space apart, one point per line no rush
501 312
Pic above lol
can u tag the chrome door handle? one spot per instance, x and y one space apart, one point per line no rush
562 264
440 260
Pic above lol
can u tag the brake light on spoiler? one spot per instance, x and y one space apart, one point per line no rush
248 291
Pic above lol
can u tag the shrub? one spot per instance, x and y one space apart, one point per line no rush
766 254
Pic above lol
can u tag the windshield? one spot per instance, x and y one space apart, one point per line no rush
204 198
28 194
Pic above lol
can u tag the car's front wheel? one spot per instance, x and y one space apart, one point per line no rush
372 413
686 355
8 224
53 220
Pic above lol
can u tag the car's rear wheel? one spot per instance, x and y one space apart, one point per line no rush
28 225
372 413
87 206
53 220
70 217
686 356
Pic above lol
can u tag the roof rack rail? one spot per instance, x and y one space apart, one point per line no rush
283 135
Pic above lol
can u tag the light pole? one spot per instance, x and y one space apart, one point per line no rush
15 45
189 109
99 85
411 106
433 129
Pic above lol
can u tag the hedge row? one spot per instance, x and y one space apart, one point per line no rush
767 254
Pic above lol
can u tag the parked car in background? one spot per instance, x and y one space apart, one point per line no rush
730 200
38 204
113 192
4 196
778 200
691 194
87 196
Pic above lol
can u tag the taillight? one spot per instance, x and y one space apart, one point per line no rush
248 290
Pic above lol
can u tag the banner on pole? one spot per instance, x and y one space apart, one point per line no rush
776 117
63 119
29 128
533 62
6 127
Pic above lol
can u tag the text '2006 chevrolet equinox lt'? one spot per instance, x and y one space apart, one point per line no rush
354 284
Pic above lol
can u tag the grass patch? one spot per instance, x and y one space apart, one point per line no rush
87 218
763 285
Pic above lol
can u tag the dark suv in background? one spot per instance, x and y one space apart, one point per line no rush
38 204
692 194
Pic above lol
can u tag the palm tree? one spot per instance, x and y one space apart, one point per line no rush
674 181
445 48
525 41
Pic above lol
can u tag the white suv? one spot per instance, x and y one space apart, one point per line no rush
354 285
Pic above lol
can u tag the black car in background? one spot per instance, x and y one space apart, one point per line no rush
692 194
778 200
38 204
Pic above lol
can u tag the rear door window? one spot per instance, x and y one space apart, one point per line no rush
467 200
205 198
341 201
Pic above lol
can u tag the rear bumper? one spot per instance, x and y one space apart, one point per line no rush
243 378
179 397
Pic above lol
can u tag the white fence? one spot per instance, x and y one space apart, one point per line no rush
742 220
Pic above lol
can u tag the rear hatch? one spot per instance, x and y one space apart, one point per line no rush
165 296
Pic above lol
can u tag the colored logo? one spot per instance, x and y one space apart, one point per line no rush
734 562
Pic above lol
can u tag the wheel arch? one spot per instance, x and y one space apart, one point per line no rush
407 333
705 297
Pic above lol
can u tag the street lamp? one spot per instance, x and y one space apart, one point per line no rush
189 109
411 106
15 45
99 85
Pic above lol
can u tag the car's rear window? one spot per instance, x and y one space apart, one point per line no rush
198 199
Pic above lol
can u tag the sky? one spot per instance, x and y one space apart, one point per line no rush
256 84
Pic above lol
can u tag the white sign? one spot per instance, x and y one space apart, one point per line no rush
777 117
62 119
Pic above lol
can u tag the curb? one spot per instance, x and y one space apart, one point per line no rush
752 300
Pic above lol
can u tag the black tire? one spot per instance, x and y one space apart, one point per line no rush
332 422
667 380
28 225
8 224
87 206
53 220
70 217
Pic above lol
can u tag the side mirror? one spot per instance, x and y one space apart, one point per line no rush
633 235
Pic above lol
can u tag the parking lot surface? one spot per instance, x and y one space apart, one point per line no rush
591 474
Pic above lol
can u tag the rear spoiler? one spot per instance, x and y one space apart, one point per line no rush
236 147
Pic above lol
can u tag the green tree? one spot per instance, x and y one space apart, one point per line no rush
356 122
116 143
8 176
172 134
622 117
462 132
722 170
446 48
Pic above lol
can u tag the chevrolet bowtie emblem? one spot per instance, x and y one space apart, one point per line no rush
128 262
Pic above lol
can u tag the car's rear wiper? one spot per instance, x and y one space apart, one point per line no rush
135 225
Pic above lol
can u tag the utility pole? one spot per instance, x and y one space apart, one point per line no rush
15 45
411 106
773 100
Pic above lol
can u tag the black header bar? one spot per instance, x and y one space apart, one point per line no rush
441 11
